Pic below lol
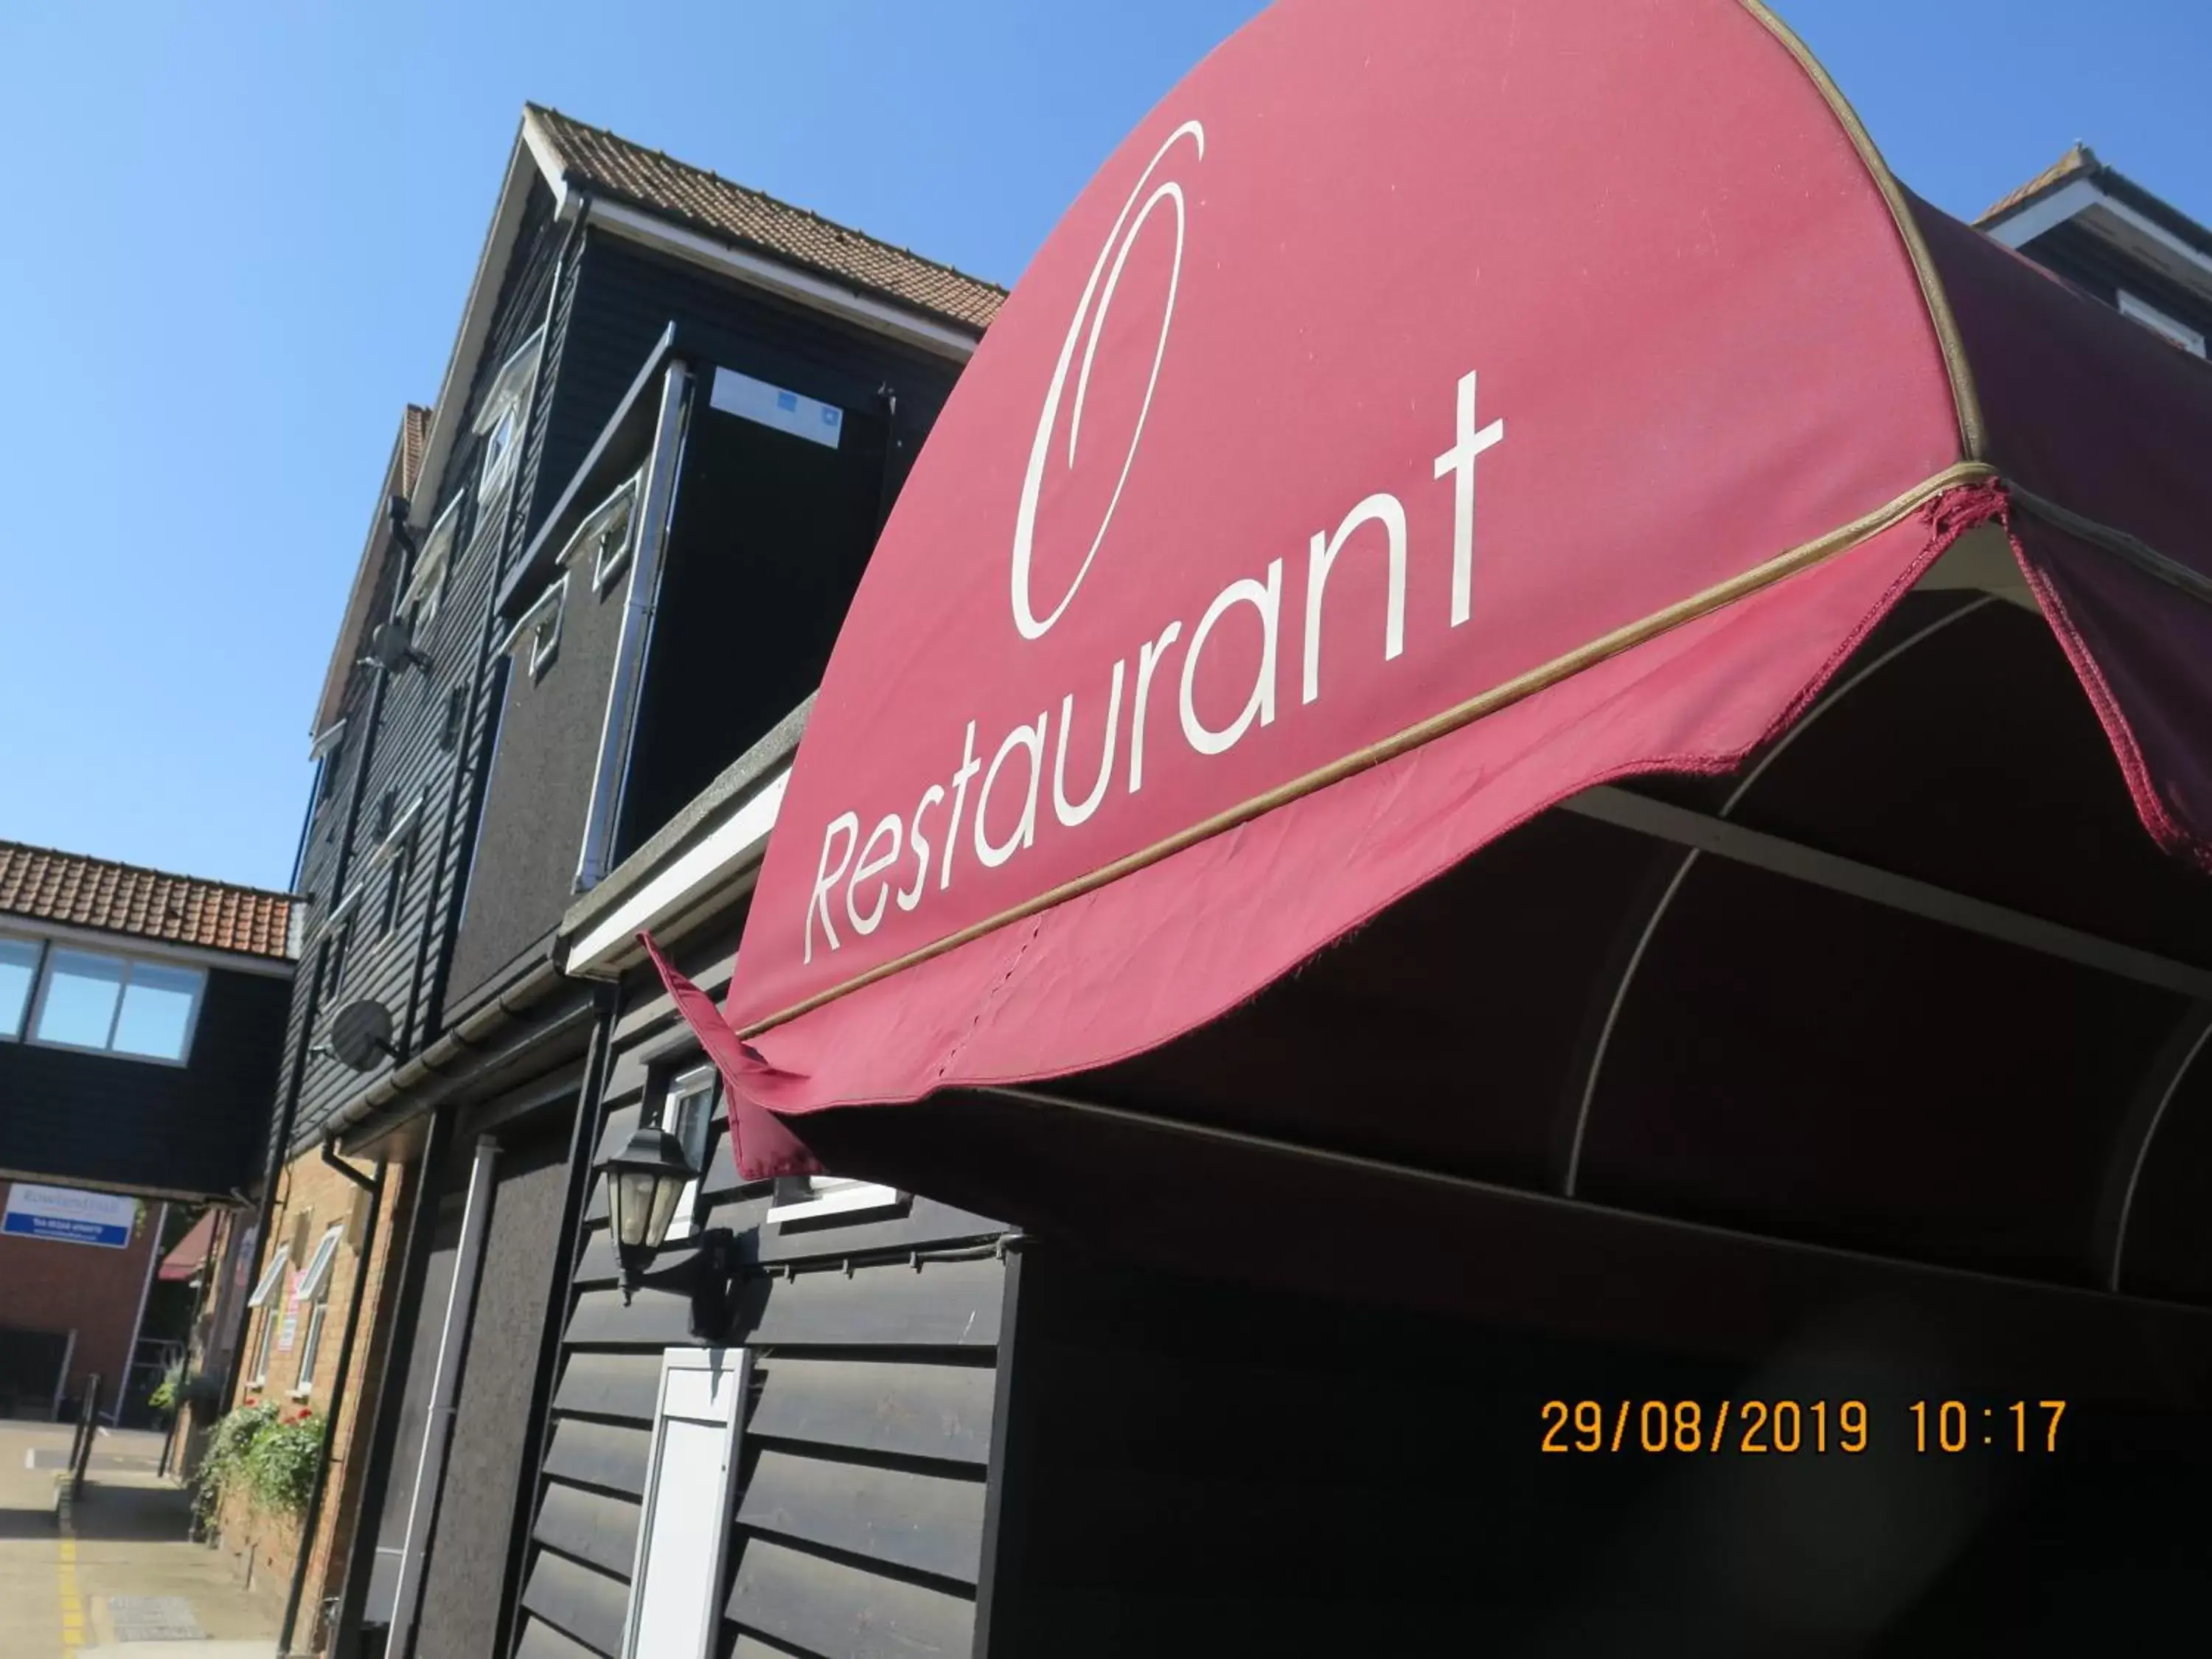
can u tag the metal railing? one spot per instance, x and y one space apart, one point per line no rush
87 1431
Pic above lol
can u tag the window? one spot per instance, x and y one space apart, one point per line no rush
269 1275
395 885
500 422
812 1198
426 586
117 1004
539 629
684 1528
605 536
326 751
318 1269
258 1372
314 1289
19 972
457 716
2188 338
687 1111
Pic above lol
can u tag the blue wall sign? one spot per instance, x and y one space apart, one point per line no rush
67 1216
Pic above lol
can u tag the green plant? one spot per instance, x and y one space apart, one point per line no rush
269 1457
164 1397
283 1461
224 1469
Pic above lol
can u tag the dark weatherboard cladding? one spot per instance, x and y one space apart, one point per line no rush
860 1531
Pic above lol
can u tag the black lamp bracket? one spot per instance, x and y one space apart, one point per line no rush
708 1268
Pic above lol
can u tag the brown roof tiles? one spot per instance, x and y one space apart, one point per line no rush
612 166
41 884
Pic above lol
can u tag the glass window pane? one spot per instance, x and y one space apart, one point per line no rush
81 991
19 964
157 1011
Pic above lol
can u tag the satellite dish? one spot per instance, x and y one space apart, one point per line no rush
391 646
360 1034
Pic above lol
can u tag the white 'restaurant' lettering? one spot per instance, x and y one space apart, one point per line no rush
1378 521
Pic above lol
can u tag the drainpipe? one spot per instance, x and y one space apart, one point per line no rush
374 1188
583 1141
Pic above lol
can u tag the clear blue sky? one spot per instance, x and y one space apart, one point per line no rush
237 239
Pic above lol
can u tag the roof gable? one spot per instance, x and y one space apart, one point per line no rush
611 168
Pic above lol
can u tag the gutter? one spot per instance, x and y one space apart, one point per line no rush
447 1064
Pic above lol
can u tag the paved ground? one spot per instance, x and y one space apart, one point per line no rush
64 1569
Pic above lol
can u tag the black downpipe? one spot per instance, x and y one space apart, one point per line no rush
407 1309
583 1142
434 961
374 1188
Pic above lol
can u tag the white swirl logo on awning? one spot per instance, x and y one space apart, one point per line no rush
1088 323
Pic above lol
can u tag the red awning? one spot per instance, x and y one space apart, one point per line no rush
190 1253
1431 412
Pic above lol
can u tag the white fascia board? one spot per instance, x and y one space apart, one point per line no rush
2055 209
2082 196
522 166
146 949
732 848
818 292
547 155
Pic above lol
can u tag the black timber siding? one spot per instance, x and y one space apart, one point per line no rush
2101 269
541 773
99 1120
859 1520
397 963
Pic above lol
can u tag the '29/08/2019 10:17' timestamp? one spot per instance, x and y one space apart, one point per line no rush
1761 1427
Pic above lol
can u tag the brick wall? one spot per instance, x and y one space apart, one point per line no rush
49 1287
311 1197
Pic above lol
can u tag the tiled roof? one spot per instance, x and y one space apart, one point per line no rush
40 884
612 166
414 433
2077 160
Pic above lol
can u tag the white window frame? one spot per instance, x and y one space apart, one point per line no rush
541 625
692 1085
45 980
319 1265
433 564
23 1031
303 1380
263 1342
506 401
828 1195
687 1384
269 1275
609 530
2189 339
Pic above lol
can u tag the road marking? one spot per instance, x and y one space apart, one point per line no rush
65 1573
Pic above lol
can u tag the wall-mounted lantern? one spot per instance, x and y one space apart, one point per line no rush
645 1180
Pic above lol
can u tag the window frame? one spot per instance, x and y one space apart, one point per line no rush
267 1282
542 624
40 988
2160 322
317 1272
848 1198
39 947
303 1378
434 568
506 400
692 1082
265 1342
